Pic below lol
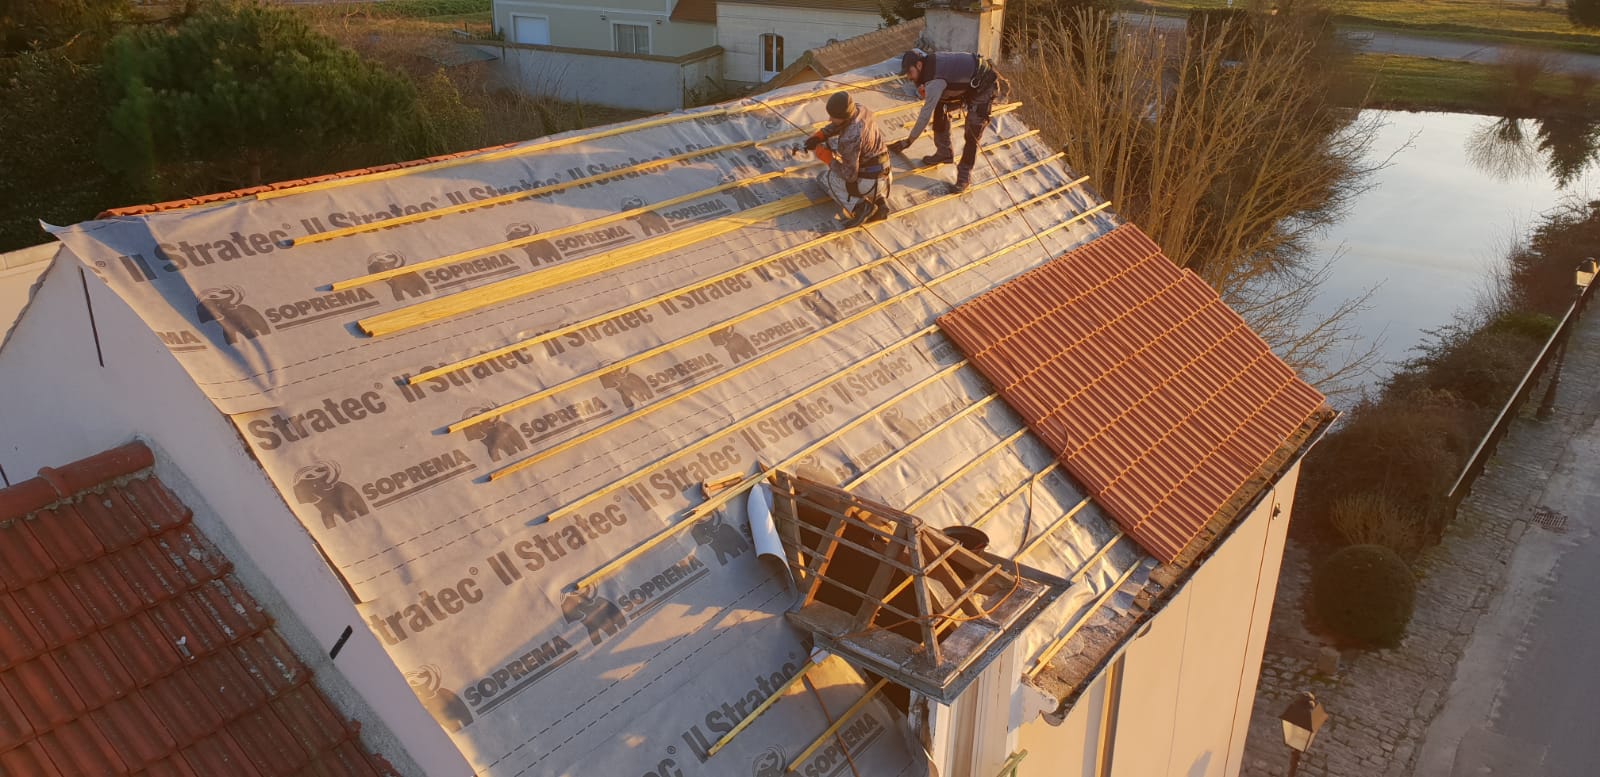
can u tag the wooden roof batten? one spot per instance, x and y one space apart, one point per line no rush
896 597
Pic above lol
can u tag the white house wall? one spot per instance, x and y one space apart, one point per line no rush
58 404
588 25
636 83
740 27
1189 680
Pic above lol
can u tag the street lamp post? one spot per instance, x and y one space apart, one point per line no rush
1301 722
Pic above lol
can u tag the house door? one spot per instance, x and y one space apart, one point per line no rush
530 29
770 52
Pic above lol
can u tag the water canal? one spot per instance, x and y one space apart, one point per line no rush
1456 194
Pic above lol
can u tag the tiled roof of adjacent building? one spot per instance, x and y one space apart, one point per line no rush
128 646
695 11
1152 392
829 5
850 54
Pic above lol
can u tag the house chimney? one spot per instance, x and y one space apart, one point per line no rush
965 25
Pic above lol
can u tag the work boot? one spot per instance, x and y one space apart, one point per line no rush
865 210
938 158
963 180
881 211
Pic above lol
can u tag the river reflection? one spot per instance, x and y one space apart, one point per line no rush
1434 223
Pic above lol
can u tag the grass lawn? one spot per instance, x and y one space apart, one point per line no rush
1414 83
1491 19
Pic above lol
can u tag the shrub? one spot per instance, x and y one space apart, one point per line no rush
1373 518
1364 594
1536 327
1409 447
1584 13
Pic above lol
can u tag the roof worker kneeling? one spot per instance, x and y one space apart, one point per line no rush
947 79
857 173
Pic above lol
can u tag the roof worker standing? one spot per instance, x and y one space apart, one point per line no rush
947 79
857 174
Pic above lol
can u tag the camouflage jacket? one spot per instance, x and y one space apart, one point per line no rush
857 143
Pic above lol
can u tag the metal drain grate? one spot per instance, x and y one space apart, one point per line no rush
1550 520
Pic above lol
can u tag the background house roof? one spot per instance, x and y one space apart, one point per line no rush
870 6
850 54
127 646
695 11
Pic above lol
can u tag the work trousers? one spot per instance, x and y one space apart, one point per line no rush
870 188
979 103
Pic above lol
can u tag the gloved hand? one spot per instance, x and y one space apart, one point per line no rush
899 146
812 142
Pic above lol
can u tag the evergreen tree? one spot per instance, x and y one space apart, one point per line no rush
239 88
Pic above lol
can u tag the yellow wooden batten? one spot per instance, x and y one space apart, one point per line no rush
582 226
511 153
1054 647
854 710
593 433
708 280
562 186
727 495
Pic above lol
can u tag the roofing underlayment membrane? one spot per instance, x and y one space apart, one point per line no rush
480 381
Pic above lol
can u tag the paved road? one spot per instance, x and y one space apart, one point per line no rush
1525 700
1385 42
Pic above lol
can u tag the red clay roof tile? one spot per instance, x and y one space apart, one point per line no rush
220 755
143 648
54 611
1152 392
19 640
346 760
270 662
182 707
103 592
14 725
268 743
171 766
42 691
134 729
94 671
22 559
310 720
230 689
127 646
28 759
64 535
107 515
78 747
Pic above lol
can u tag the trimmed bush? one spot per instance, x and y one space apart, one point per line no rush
1371 518
1364 594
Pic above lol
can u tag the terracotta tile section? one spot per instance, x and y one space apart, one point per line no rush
1152 392
127 646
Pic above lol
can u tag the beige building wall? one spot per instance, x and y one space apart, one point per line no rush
584 25
740 27
1188 681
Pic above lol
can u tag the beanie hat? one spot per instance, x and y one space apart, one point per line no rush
839 105
910 58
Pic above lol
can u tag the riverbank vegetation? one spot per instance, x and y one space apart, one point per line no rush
1383 476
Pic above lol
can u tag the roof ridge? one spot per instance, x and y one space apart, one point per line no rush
58 484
